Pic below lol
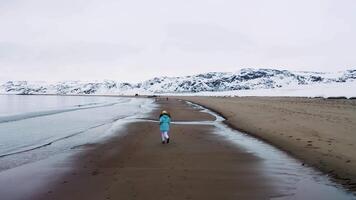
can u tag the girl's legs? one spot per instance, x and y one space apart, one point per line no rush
164 136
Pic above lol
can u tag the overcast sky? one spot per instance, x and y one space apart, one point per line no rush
132 40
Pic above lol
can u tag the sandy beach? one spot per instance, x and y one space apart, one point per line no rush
196 164
320 132
202 161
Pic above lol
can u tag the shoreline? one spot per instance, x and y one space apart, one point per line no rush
348 180
137 166
339 177
183 95
133 164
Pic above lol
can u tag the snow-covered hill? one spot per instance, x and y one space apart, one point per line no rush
242 80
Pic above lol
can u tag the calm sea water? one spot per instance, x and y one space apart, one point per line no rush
20 104
36 127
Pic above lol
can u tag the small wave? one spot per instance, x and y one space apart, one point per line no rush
18 117
59 139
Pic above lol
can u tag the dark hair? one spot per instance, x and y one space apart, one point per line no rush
165 114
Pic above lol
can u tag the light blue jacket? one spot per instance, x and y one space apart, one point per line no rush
164 122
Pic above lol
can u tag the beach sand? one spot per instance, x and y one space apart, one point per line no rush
320 132
196 164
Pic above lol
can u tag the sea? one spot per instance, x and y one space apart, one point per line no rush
34 127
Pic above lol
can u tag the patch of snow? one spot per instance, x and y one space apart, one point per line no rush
347 90
252 82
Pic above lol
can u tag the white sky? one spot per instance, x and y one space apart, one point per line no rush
132 40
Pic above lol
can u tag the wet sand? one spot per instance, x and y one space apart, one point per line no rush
196 164
204 160
320 132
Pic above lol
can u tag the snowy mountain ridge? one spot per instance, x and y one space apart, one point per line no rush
244 79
